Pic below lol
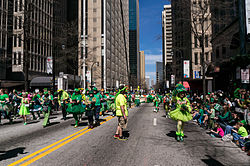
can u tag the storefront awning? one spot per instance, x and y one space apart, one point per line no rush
41 81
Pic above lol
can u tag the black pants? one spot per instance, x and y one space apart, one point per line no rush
90 120
64 113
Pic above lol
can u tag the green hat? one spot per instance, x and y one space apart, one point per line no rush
45 88
180 88
76 90
107 92
91 92
244 122
94 89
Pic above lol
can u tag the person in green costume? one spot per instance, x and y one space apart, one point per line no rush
157 101
182 112
47 105
62 100
24 109
5 105
129 100
137 99
36 106
98 98
75 106
90 108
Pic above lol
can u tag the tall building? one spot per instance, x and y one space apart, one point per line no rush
186 36
105 43
147 78
3 38
159 72
142 68
32 36
134 58
167 49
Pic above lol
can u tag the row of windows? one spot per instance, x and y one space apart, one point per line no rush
196 41
207 57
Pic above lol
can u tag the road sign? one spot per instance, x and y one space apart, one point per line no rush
197 74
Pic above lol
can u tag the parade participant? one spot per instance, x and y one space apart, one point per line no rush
36 106
157 101
47 106
75 106
16 103
129 100
182 112
24 109
98 98
103 103
121 113
137 99
4 105
90 108
62 99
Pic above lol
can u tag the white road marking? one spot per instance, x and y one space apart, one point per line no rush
155 120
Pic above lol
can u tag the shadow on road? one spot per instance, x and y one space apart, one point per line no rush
81 124
211 161
33 122
53 123
11 153
173 134
126 134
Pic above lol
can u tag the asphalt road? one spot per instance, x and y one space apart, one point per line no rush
151 143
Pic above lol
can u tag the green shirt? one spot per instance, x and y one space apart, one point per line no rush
98 97
3 98
242 131
121 101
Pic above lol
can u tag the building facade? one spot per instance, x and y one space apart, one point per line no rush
134 58
159 72
32 36
167 50
105 43
188 35
142 69
3 37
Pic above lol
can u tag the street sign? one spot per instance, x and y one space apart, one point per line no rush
245 76
186 71
88 75
49 65
197 74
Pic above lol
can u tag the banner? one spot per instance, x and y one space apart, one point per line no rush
186 68
88 75
245 76
247 15
172 80
49 65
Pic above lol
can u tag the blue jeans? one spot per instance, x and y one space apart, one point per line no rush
228 130
237 138
97 112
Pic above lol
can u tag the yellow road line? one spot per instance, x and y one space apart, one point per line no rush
57 147
47 147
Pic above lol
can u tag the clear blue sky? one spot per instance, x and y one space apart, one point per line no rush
151 32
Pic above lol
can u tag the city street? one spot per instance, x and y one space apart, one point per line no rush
151 142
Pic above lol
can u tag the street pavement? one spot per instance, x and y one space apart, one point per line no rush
151 142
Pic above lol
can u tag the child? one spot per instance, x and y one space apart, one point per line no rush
24 109
219 133
182 112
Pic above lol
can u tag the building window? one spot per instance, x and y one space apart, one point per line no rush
15 23
19 41
196 58
20 23
20 5
94 29
15 40
94 10
217 52
206 41
16 5
19 58
94 39
94 1
224 50
195 42
94 19
14 59
207 58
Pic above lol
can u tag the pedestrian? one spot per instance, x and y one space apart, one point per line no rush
47 106
75 107
24 109
90 108
137 99
98 98
182 112
121 113
4 105
63 97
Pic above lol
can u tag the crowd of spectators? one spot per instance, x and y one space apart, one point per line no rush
224 115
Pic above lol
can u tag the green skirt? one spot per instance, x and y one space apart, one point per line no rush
75 109
24 110
177 114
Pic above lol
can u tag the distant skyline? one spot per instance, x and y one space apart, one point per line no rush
150 33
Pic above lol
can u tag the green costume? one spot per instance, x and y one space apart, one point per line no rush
24 109
47 105
137 100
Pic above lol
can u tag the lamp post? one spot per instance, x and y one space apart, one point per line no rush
97 63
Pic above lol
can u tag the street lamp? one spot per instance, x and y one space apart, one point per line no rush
97 63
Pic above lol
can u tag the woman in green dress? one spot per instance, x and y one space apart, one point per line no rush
182 112
75 107
24 109
47 106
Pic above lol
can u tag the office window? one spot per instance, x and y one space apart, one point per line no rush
94 1
195 42
19 41
20 5
14 59
206 41
94 19
15 22
15 40
94 10
196 58
207 58
20 23
19 58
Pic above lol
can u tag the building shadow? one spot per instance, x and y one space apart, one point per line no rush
125 134
211 161
12 153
